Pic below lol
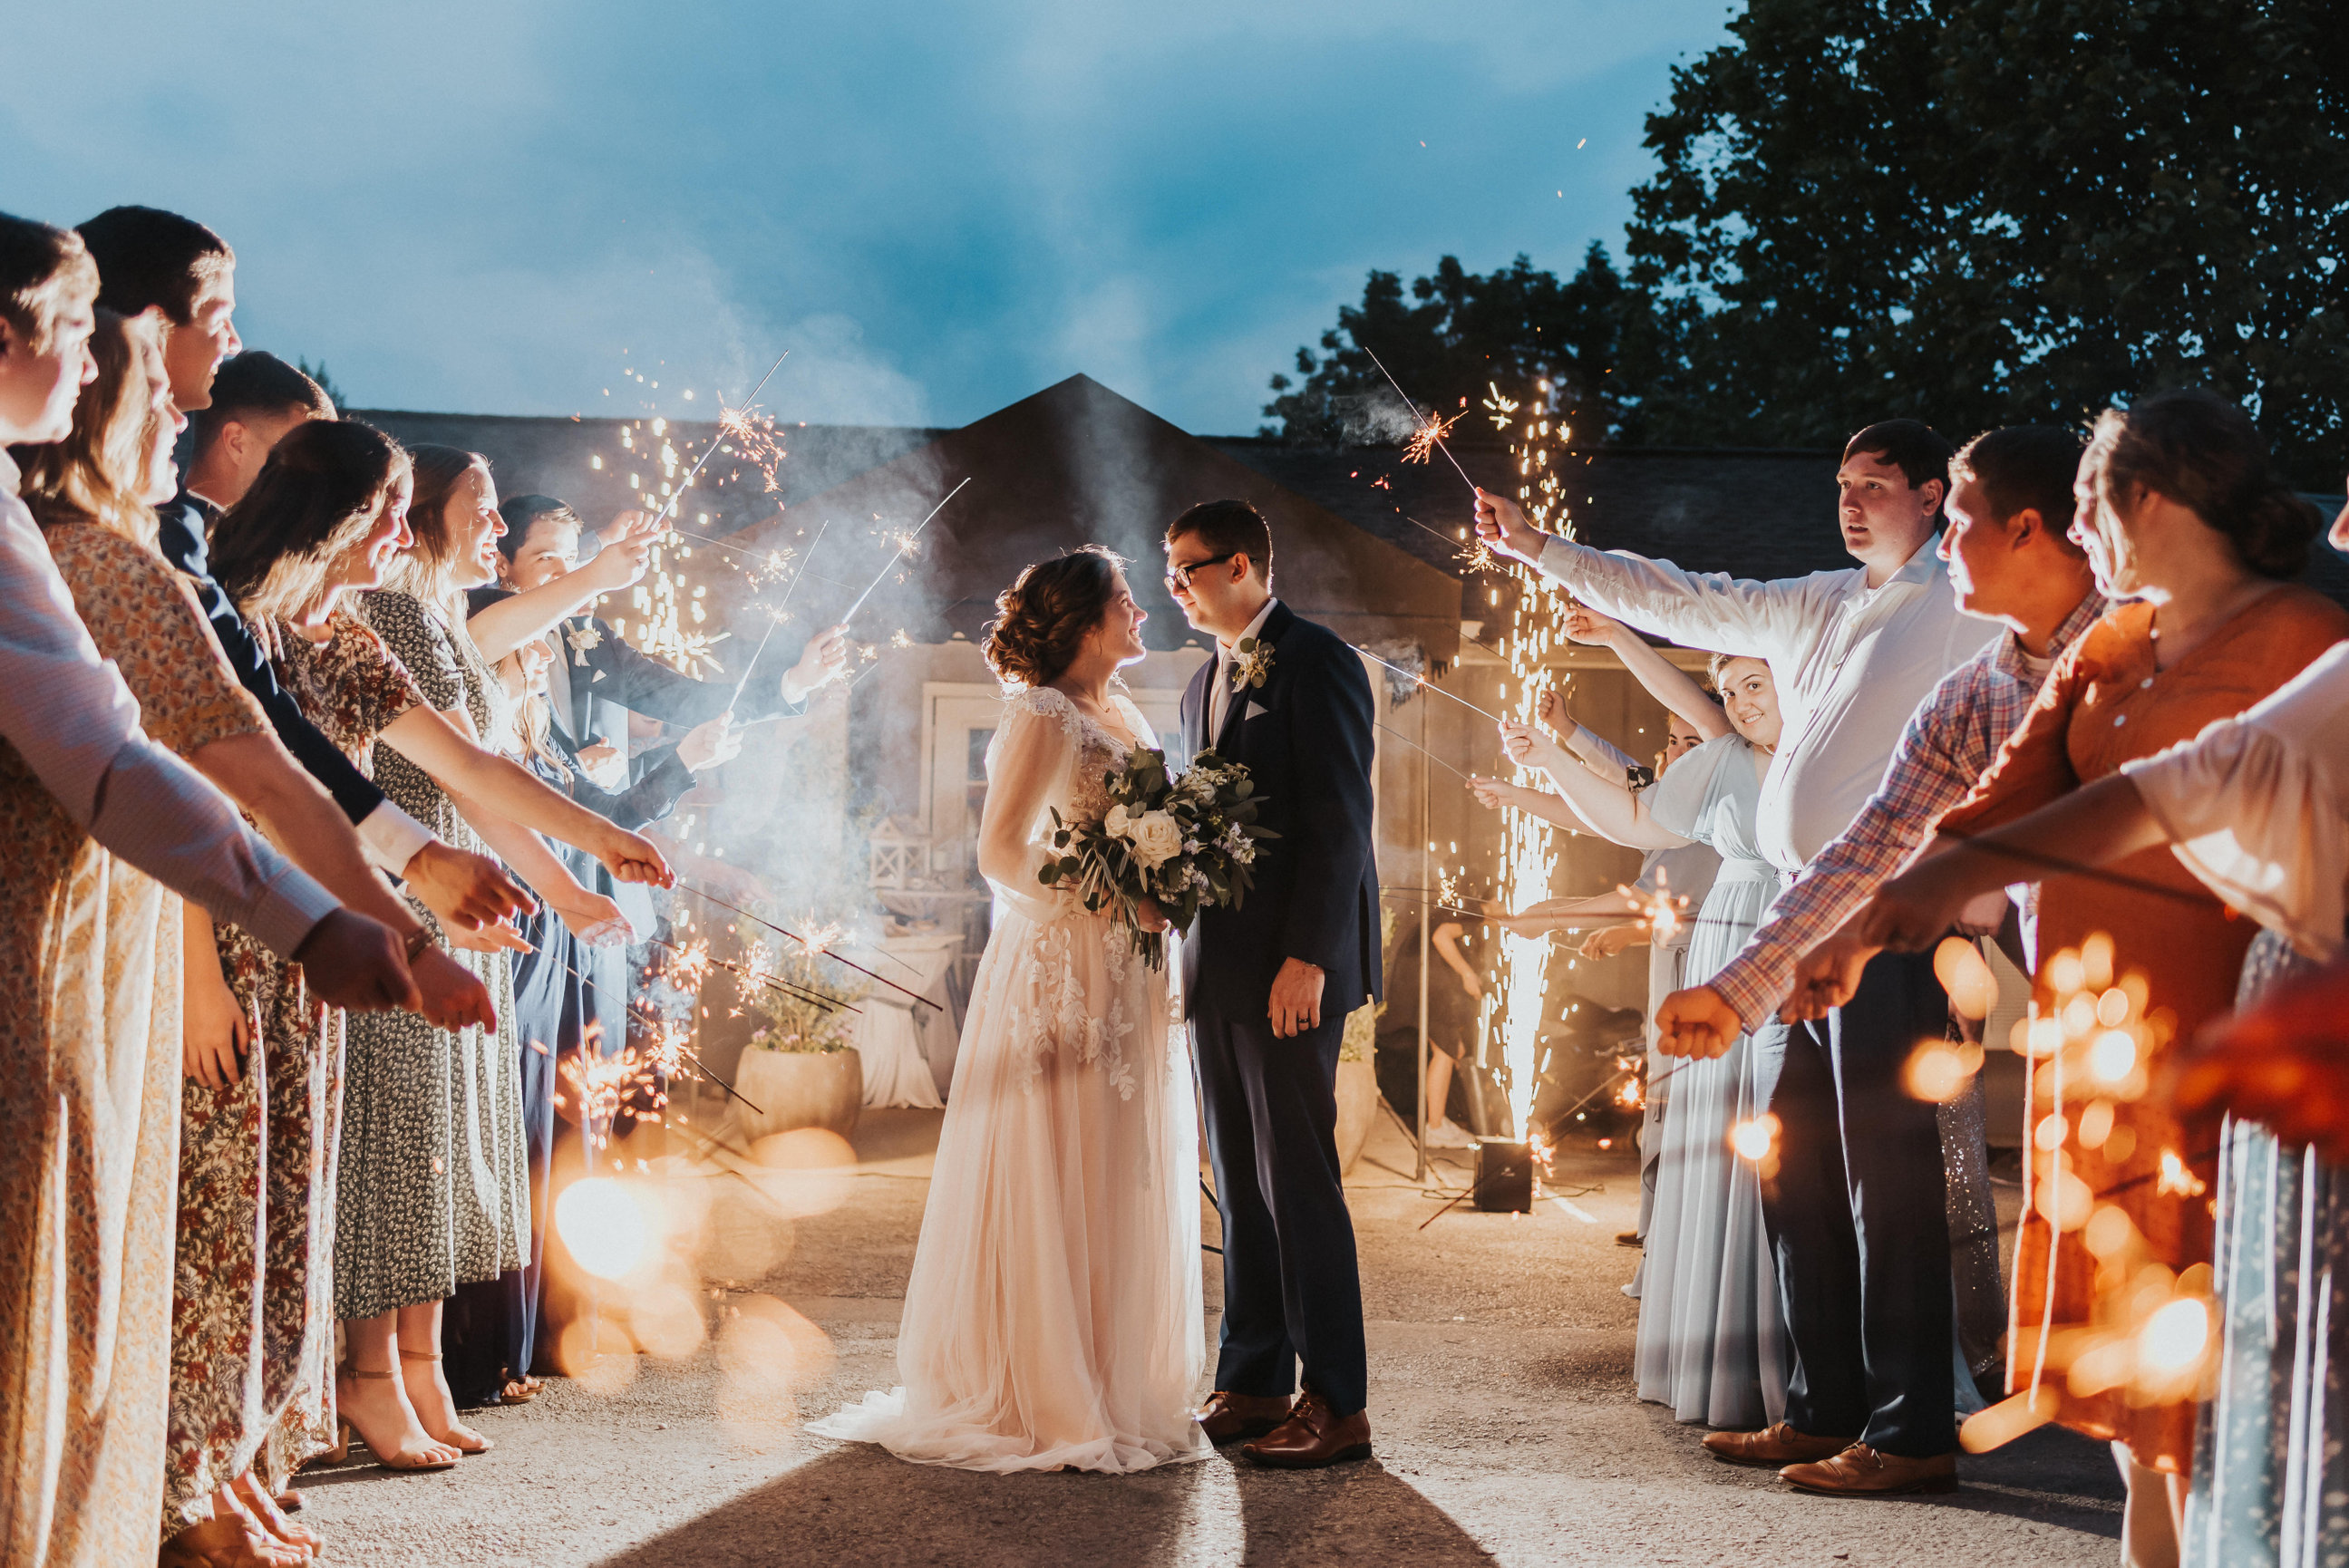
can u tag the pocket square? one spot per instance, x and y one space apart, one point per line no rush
1254 710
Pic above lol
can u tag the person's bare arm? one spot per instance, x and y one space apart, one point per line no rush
499 629
590 915
1583 800
1669 684
213 1034
1568 913
1446 940
441 744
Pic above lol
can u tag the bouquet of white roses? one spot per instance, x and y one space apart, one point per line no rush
1186 843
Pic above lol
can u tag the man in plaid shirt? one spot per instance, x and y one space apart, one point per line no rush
2008 562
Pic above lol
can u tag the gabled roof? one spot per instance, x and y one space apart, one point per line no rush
1077 463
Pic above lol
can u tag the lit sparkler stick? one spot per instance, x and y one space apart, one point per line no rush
904 546
803 942
1425 682
1424 751
1431 431
777 618
702 461
702 959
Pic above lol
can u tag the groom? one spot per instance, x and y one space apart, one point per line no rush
1267 987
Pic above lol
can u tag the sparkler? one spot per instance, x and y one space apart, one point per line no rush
777 618
803 942
1424 682
904 548
1424 751
1423 439
696 962
726 419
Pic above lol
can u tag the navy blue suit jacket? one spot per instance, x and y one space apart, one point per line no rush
1305 736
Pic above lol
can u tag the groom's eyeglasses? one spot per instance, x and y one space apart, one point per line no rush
1178 578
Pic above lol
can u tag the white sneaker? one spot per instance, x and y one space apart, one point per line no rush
1443 1135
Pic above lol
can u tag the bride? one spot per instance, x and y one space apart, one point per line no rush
1053 1319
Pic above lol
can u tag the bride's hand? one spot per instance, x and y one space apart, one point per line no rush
1147 915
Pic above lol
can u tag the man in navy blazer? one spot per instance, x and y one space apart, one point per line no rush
1267 987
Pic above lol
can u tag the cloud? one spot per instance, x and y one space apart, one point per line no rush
941 208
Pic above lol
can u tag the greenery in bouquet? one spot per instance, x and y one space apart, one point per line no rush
1186 843
797 997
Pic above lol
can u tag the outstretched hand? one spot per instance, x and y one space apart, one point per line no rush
1698 1023
1828 975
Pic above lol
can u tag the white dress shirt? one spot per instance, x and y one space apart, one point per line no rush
1219 696
68 714
1851 664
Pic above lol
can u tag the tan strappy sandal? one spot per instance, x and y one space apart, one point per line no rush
343 1428
480 1444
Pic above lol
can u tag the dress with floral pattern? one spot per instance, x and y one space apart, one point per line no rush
434 1184
90 990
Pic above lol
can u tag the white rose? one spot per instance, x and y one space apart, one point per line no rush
1157 839
1116 824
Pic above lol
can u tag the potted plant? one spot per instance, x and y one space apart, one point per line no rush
1358 1083
800 1067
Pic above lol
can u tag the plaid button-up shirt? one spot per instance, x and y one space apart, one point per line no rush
1950 742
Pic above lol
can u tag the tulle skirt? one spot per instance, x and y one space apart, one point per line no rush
1053 1319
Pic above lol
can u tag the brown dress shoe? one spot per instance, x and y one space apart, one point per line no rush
1862 1471
1226 1418
1772 1446
1313 1437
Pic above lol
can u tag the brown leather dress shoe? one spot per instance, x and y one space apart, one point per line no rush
1313 1437
1862 1471
1226 1418
1772 1446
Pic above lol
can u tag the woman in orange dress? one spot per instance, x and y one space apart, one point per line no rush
2181 513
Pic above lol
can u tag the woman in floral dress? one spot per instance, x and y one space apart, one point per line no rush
429 1172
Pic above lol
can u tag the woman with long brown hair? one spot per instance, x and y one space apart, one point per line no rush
250 1347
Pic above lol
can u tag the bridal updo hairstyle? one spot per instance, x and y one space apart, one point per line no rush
2204 453
1041 619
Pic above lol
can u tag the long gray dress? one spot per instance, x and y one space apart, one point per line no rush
1712 1337
434 1184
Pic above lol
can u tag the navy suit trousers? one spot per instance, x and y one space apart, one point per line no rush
1858 1221
1292 1293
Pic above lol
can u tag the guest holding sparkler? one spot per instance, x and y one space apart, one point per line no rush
179 278
1858 1224
2010 561
419 1208
2181 510
1712 1341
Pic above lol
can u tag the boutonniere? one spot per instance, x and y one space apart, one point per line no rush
1251 663
580 639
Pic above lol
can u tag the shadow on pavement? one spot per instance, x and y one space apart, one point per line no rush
860 1506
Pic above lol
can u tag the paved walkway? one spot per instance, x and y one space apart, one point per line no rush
1500 1366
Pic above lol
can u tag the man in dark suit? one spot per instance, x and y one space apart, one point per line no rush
1267 987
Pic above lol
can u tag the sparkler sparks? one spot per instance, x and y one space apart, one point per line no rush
1424 422
904 548
1422 447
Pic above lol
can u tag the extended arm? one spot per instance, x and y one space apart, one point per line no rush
1700 610
500 627
1568 913
1583 800
438 744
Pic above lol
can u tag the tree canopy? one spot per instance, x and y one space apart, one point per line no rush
1971 211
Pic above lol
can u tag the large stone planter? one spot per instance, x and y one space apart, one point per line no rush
799 1088
1358 1110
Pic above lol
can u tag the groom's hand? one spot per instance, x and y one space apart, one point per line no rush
1296 999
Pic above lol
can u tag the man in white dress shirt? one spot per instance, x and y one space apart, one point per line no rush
1858 1224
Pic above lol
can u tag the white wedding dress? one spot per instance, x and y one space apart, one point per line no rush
1053 1319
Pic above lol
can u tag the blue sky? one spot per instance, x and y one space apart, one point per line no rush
939 208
